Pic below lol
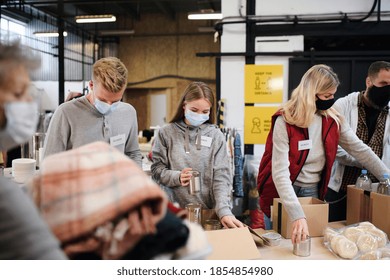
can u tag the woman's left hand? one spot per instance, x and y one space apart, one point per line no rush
230 222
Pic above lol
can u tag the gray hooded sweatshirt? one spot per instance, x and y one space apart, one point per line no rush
172 152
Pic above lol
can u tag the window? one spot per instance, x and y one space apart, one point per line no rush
11 29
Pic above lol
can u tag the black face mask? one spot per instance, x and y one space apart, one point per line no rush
324 104
379 97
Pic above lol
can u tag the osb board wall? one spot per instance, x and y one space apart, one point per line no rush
138 98
162 46
156 50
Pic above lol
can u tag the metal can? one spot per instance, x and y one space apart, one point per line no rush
302 249
195 184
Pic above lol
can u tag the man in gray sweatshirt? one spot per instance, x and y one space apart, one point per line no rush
99 116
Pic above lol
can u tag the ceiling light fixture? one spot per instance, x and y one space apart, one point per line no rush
95 18
49 33
116 32
205 15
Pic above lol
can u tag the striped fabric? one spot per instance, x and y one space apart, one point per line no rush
96 199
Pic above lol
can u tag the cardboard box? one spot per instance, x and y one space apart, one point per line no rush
381 211
316 212
232 244
359 205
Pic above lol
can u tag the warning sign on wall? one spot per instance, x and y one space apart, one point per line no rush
263 83
257 124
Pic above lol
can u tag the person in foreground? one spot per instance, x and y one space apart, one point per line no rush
98 116
301 148
191 141
23 233
367 112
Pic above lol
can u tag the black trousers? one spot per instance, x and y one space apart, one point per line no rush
337 205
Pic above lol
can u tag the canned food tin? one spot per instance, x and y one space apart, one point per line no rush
302 249
195 185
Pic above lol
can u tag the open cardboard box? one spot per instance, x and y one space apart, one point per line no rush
368 206
316 212
359 205
381 211
232 244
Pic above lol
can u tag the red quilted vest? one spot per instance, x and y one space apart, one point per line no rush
265 184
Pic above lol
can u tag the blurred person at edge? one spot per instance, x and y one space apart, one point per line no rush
98 116
192 141
367 112
301 148
23 233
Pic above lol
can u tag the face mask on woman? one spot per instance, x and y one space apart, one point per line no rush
195 119
324 104
105 108
22 120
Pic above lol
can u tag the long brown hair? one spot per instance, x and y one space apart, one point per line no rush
195 91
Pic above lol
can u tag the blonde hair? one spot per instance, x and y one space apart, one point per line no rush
111 73
195 91
301 107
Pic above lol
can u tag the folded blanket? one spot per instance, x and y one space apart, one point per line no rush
95 199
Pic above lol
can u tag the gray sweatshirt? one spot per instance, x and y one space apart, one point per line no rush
24 235
78 122
210 158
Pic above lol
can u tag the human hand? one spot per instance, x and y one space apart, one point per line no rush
72 95
231 222
185 177
300 230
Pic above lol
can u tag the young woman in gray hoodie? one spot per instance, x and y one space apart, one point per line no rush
192 141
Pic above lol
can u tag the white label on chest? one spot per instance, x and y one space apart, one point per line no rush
305 145
117 140
205 141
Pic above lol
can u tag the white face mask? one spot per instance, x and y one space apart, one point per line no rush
195 119
105 108
22 121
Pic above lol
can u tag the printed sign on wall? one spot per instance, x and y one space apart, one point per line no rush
263 83
257 124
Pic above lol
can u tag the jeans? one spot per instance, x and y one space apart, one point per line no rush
306 192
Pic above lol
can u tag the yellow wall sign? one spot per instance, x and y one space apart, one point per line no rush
257 124
263 83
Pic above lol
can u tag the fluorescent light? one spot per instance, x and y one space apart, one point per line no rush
116 32
95 18
49 33
205 16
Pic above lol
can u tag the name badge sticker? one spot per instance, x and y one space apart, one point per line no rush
305 145
206 141
117 140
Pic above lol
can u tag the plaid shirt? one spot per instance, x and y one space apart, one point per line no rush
375 142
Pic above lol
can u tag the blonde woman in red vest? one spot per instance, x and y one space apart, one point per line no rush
301 148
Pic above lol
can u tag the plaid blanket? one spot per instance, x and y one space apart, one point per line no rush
95 199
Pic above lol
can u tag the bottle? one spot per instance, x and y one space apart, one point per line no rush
384 185
363 181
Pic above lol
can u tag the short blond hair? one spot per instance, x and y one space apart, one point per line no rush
111 73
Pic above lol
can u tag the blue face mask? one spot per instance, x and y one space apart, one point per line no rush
105 108
195 119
